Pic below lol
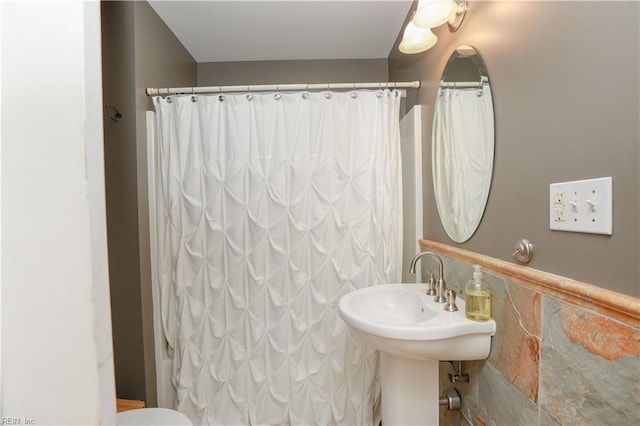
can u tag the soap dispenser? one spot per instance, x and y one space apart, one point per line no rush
477 297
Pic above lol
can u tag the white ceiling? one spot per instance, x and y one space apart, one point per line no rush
241 30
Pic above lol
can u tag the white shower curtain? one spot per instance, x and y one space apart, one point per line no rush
270 207
463 135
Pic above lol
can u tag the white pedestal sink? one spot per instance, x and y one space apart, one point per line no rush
413 333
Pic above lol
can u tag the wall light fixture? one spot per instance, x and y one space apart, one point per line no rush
416 40
430 14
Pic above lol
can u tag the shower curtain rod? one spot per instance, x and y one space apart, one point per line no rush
462 84
483 80
280 87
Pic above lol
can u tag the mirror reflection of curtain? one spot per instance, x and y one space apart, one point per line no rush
463 135
270 208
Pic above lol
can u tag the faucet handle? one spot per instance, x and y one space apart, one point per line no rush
441 288
431 286
451 301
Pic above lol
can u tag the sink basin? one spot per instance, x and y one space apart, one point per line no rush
401 319
413 334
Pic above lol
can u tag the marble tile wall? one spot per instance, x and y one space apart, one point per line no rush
589 368
552 362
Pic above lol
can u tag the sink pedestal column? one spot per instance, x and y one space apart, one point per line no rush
410 391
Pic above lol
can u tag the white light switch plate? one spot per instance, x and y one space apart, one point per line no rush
582 206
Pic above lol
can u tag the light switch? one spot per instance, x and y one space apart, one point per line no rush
582 206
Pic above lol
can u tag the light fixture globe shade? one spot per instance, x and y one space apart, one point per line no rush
432 13
416 40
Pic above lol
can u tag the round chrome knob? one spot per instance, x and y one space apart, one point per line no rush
523 251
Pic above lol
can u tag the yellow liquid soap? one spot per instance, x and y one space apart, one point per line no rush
478 305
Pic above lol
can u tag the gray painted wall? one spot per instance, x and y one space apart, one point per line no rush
282 72
118 59
566 90
139 51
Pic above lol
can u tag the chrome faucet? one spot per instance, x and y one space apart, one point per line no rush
440 286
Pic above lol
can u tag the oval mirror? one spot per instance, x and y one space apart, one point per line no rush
463 143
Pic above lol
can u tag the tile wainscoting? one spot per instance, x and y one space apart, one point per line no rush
565 352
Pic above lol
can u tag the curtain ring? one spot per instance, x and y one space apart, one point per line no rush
354 94
379 92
